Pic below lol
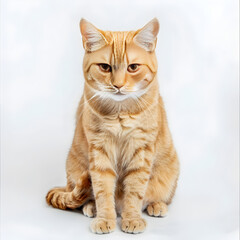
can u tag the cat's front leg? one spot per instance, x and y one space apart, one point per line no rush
103 179
135 182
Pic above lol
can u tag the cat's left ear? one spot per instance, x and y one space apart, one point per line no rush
146 37
92 37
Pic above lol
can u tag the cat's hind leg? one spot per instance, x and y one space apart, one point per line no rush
161 188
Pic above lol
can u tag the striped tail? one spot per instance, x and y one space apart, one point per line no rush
60 198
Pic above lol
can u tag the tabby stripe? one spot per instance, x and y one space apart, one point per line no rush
56 201
104 171
102 192
148 162
99 149
142 181
145 130
136 194
137 171
148 148
137 151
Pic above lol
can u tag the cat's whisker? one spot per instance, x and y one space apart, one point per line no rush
143 110
104 89
147 105
87 101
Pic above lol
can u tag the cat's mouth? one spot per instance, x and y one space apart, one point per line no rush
118 96
119 93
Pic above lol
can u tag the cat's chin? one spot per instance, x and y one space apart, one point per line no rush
119 97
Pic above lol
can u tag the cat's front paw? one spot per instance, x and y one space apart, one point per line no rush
103 225
133 225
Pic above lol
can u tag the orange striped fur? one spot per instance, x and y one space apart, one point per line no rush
122 157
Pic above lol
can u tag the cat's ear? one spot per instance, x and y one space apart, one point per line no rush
146 37
92 38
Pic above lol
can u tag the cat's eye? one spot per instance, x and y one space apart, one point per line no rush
133 67
105 67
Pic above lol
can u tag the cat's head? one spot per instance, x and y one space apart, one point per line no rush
119 65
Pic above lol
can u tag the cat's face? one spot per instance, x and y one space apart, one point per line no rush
119 65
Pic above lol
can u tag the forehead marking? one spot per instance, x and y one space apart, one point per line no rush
119 42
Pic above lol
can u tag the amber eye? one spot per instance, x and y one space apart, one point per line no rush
133 67
105 67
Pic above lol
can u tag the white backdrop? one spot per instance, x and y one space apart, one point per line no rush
41 84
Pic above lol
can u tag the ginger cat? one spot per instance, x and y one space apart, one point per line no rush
122 157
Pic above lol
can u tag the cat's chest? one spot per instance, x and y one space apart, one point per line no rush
121 126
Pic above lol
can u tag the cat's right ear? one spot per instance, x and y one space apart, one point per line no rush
92 38
146 37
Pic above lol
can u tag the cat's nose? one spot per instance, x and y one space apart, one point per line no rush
118 85
119 78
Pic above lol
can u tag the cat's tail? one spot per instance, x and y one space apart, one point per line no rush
59 197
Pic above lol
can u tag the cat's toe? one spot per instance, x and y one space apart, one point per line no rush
102 225
135 225
158 209
89 209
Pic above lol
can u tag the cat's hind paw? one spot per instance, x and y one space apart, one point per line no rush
158 209
89 209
